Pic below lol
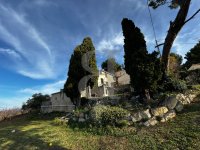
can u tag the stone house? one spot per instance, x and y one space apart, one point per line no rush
58 102
123 85
122 78
105 86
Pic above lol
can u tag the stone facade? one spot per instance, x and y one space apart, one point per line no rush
105 86
122 78
58 102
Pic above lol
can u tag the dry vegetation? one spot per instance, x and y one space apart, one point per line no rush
10 113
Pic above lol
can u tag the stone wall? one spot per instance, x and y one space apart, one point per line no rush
166 111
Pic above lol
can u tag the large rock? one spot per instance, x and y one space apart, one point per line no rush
179 107
141 115
169 115
151 122
160 111
191 97
146 114
183 99
170 102
136 117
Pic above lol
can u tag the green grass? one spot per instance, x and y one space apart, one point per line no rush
42 133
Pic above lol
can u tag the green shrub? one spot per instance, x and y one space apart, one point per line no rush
113 115
107 115
196 87
80 111
96 113
123 123
174 85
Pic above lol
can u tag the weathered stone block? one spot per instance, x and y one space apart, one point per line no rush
159 111
141 115
169 115
151 122
170 102
179 107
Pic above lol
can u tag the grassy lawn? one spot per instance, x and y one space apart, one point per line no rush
38 133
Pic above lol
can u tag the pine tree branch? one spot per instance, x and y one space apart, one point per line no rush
192 16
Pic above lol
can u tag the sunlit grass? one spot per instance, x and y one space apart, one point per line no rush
41 133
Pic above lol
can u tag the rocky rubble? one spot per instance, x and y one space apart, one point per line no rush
164 112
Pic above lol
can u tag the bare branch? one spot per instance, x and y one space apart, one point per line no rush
192 16
159 45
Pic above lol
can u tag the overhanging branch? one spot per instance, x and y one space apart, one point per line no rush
192 16
159 45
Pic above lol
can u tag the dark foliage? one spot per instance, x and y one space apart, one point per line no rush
36 101
193 56
173 4
111 65
144 69
82 56
173 85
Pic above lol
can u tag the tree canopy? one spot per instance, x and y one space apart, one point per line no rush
173 4
36 101
111 65
175 26
175 62
193 56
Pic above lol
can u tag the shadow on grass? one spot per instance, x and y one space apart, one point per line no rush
193 107
13 137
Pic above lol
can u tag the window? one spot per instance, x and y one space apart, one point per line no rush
102 82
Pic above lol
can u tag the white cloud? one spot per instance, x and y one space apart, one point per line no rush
45 89
186 40
31 45
111 44
24 94
10 52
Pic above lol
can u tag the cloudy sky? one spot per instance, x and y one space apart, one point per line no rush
37 38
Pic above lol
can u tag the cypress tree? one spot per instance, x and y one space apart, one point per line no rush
144 69
77 70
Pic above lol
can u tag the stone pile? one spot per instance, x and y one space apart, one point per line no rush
166 111
152 116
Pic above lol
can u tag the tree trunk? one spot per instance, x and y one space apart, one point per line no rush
77 102
145 96
174 29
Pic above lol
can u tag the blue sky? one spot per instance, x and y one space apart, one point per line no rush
37 38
